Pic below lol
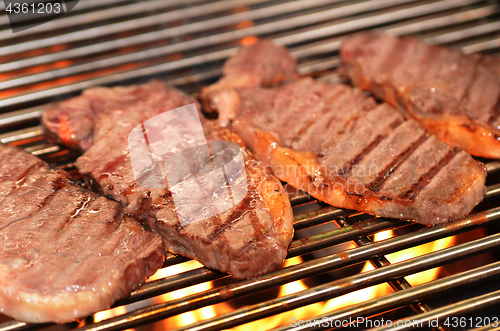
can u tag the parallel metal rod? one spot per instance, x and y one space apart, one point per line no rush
460 308
482 46
397 284
21 116
310 50
82 5
23 134
220 55
487 327
143 55
124 26
399 299
200 275
206 41
96 16
21 326
462 34
399 29
348 284
305 269
319 216
297 247
374 20
168 33
492 191
115 78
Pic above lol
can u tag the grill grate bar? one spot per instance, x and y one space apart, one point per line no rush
314 28
21 116
172 32
348 284
297 247
397 284
464 33
333 45
148 71
483 46
305 269
350 26
319 216
23 134
101 31
399 299
34 113
20 326
457 309
101 15
83 5
375 20
205 41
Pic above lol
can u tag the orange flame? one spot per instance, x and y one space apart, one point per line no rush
284 318
424 276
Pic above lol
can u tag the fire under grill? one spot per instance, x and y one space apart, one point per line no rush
185 42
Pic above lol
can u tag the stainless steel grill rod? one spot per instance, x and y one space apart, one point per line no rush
124 26
96 16
200 275
406 297
220 55
309 268
143 55
468 306
83 5
349 284
297 247
397 284
167 33
401 29
206 41
374 20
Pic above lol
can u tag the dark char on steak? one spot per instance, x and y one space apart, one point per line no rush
246 240
342 147
455 96
65 252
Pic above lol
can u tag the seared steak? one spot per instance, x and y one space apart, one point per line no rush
345 149
453 95
65 252
273 67
247 239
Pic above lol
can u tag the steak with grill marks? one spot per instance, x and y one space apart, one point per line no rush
345 149
246 240
453 95
65 252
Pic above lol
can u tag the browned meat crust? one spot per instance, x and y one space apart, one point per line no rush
341 147
242 71
453 95
247 240
65 252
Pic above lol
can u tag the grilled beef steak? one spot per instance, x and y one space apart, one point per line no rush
247 239
345 149
453 95
65 252
273 67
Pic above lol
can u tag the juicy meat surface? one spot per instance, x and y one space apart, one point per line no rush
453 95
274 67
246 240
345 149
65 252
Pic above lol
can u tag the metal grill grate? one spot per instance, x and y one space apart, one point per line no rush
185 42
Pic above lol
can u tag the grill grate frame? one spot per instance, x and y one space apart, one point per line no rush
201 35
